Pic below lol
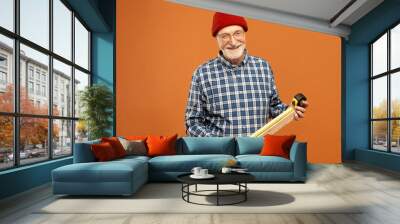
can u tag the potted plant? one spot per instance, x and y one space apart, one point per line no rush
96 102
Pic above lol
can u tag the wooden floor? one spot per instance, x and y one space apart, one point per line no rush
377 188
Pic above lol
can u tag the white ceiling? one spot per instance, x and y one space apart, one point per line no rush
321 9
327 16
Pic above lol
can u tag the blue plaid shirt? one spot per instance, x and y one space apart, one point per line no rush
229 100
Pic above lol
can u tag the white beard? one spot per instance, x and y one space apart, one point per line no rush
235 53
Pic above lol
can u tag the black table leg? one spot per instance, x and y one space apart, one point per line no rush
245 193
217 194
182 190
188 189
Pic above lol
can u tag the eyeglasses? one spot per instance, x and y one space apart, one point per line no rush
238 35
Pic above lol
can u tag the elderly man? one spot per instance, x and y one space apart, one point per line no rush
233 94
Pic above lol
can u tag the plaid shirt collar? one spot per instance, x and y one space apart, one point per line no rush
230 65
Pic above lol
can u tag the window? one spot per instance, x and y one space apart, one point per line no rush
81 45
81 81
3 72
30 87
38 74
34 21
7 14
33 148
62 29
385 91
3 78
7 142
30 72
3 61
37 89
44 91
63 137
43 77
54 126
62 74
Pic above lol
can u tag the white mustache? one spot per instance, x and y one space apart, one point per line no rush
233 48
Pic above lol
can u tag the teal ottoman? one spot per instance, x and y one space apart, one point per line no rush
118 177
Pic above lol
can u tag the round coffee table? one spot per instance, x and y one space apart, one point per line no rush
238 179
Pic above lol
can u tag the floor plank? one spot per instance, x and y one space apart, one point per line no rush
376 190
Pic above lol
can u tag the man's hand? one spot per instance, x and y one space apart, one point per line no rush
299 111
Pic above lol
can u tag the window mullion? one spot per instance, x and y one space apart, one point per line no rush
371 140
389 106
16 84
73 82
50 79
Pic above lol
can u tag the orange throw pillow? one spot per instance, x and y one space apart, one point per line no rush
275 145
161 145
116 145
103 152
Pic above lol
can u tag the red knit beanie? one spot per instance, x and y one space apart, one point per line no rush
222 20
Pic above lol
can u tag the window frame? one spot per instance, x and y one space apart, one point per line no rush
16 114
388 74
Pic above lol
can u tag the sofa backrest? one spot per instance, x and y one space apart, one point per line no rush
249 145
206 145
83 153
190 146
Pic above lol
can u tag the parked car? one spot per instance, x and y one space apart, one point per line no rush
22 155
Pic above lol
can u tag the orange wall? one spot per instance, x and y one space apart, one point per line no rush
159 44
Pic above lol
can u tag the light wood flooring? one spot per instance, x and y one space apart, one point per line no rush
377 188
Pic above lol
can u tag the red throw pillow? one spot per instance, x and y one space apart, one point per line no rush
275 145
161 145
116 145
103 152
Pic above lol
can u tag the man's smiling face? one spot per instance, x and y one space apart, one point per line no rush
232 41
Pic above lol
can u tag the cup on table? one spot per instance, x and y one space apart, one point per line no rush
203 172
226 170
196 171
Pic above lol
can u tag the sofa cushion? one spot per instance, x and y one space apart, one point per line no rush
275 145
116 145
257 163
206 145
161 145
112 171
103 151
134 147
185 163
249 145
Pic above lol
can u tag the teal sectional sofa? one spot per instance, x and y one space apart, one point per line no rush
125 176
